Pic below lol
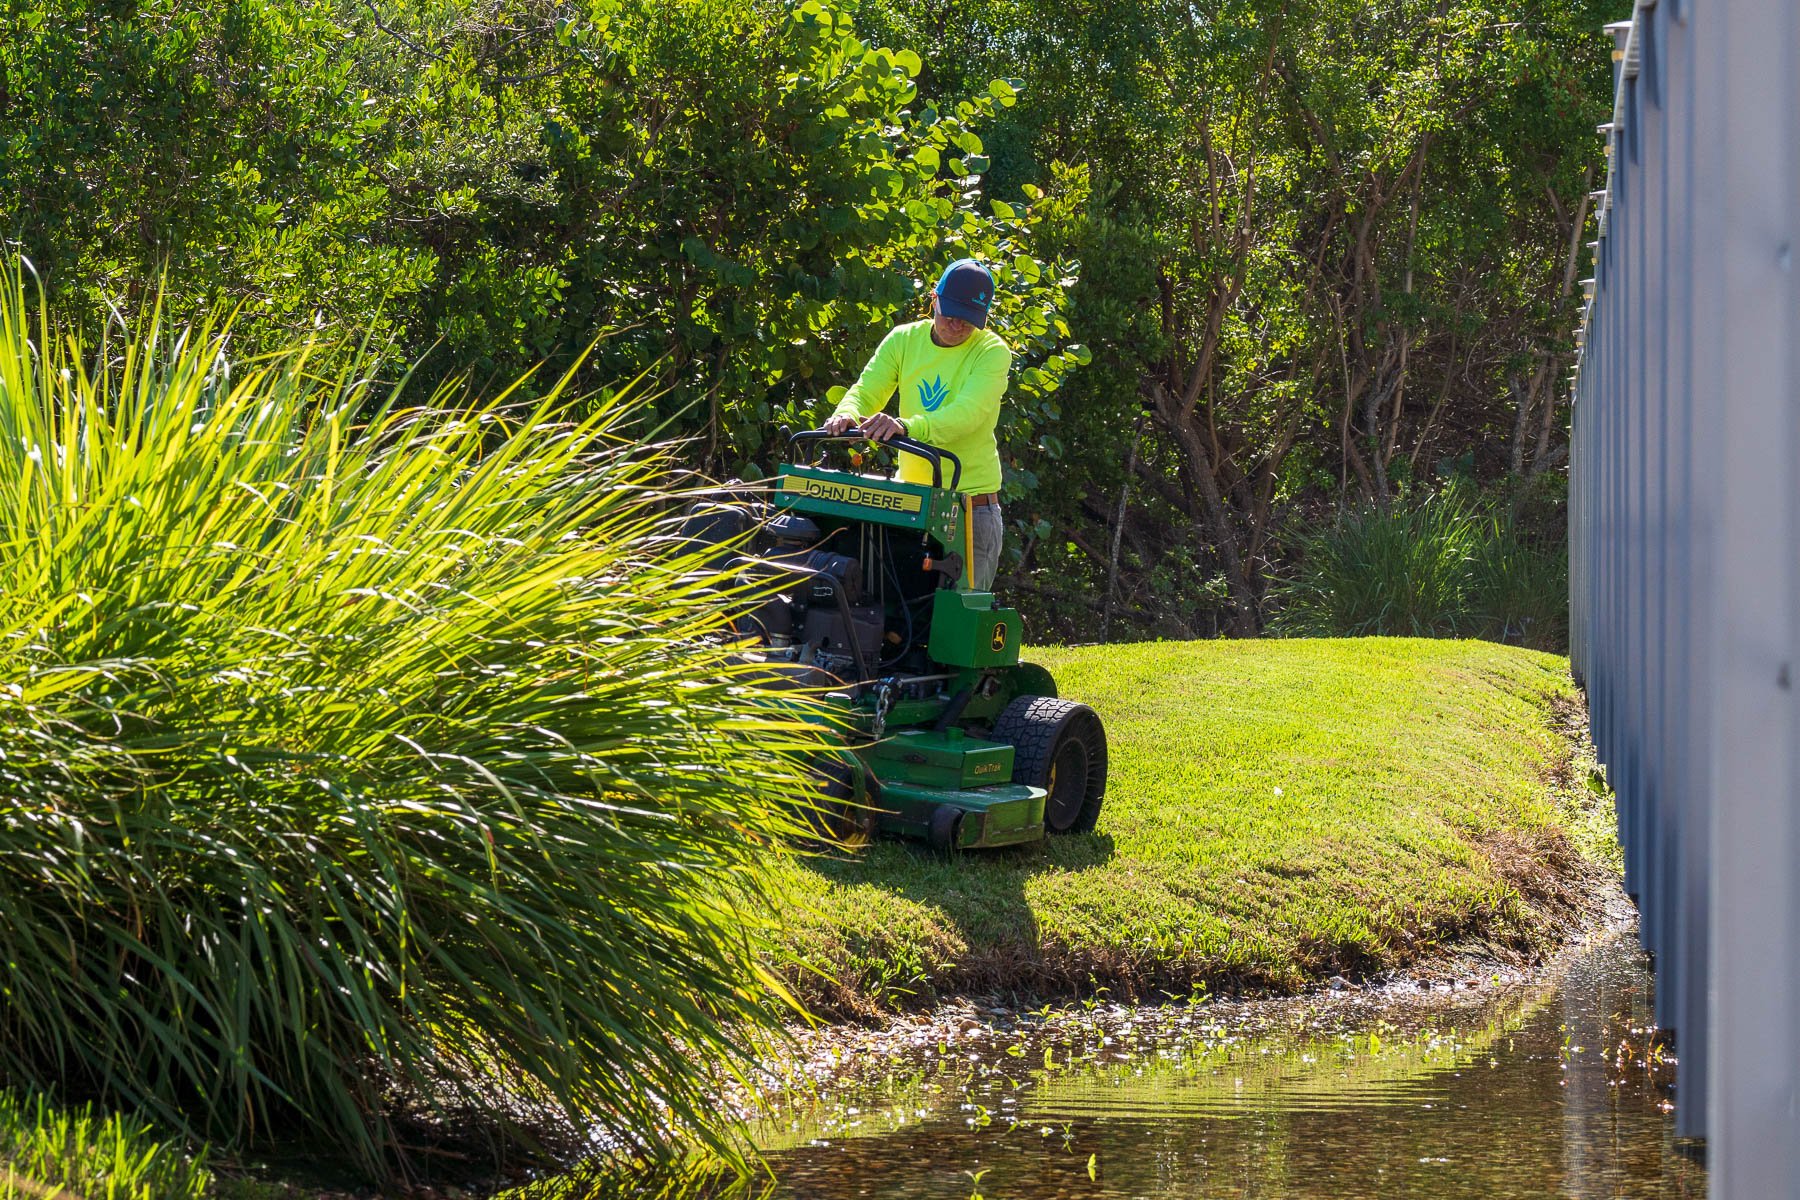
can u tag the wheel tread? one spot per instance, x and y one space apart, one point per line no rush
1032 725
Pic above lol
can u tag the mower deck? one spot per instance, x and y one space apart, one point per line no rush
919 771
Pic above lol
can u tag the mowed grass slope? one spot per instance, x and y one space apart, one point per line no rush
1278 811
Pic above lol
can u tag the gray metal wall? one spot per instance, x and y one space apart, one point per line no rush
1683 515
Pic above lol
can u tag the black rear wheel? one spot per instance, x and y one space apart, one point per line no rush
1060 746
838 815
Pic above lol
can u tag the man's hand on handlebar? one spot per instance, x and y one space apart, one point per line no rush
881 427
878 428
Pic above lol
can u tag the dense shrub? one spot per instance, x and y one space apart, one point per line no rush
1444 565
362 762
1519 582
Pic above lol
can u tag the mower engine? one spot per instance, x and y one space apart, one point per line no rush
819 620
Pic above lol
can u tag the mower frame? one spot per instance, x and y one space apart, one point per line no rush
932 753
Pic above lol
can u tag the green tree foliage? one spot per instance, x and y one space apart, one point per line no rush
1332 246
368 768
745 195
224 143
1326 248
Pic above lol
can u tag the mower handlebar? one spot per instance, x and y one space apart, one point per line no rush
935 455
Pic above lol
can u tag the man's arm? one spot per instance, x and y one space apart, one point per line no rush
879 380
974 407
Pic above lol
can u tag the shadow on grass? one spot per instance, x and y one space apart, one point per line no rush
980 895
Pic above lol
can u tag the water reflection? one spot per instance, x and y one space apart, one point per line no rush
1553 1090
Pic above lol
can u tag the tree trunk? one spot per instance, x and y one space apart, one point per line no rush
1243 600
1521 421
1541 458
1112 564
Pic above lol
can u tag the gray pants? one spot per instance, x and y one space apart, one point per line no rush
990 530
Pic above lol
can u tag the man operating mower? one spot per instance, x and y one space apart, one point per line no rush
950 372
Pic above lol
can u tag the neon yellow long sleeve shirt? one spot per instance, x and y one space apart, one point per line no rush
949 398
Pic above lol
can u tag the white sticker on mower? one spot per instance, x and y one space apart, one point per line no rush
849 493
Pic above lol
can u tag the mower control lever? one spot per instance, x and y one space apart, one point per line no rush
935 455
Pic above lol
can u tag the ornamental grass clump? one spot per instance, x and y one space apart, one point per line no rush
47 1153
1447 564
1402 569
369 768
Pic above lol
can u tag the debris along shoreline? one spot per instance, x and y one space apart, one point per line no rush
1280 813
1505 1087
1448 988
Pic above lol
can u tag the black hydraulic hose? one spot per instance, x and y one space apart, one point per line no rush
954 709
893 573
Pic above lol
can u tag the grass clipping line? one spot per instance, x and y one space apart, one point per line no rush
367 767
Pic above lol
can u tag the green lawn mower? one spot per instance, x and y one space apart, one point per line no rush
951 738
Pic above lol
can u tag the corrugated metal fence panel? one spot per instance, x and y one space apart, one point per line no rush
1754 1047
1684 575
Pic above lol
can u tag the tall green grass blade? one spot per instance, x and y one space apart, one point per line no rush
1444 565
367 762
48 1152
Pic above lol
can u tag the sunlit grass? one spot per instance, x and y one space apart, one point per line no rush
367 774
1278 811
49 1152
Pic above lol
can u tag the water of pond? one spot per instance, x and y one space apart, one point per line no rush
1551 1088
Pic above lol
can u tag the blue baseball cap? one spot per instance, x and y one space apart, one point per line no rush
964 291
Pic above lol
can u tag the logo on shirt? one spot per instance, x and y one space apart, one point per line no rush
933 394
